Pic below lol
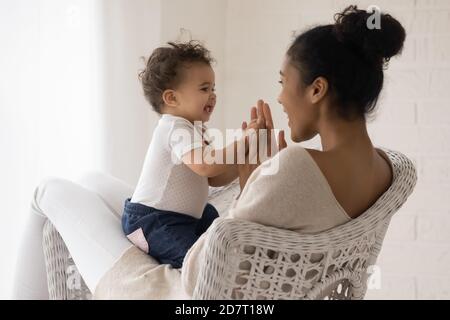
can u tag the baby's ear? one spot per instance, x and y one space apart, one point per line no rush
169 97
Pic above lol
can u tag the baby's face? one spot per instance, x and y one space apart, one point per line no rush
196 95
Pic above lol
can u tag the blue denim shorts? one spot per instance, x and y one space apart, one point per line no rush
164 235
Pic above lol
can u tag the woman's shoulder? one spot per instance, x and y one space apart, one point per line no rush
322 162
303 165
293 163
295 155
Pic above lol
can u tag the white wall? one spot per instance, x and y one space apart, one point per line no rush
413 117
258 33
130 30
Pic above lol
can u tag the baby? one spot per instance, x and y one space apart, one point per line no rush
168 210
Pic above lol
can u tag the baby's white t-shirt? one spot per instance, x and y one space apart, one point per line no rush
165 182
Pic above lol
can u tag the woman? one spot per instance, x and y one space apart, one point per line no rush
331 79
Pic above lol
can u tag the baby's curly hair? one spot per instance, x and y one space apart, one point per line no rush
164 68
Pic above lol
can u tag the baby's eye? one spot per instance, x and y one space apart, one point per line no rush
280 82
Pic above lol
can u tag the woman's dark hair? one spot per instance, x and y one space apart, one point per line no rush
164 68
351 56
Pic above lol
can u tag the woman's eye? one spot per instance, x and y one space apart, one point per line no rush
205 89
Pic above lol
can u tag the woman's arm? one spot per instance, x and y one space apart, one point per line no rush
225 178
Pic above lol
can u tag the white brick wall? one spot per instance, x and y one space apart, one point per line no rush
413 117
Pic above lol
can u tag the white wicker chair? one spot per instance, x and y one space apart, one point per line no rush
245 260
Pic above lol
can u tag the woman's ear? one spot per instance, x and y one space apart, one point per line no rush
170 98
319 89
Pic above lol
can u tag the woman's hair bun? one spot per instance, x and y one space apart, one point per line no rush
375 43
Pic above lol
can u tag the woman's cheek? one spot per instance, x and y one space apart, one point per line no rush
281 95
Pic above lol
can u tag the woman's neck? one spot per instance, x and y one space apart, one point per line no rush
336 133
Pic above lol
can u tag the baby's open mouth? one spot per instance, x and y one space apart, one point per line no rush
209 108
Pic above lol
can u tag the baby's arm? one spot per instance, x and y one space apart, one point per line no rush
220 174
225 170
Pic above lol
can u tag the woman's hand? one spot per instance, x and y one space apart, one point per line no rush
261 118
281 140
245 170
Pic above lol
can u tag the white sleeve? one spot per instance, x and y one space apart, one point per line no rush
184 137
